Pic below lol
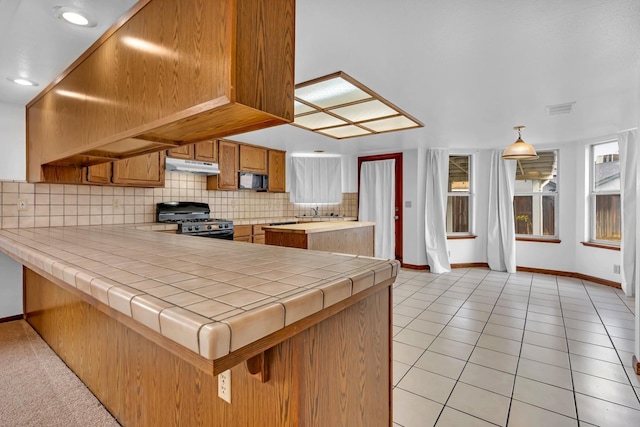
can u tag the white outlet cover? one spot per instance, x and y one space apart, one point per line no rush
224 385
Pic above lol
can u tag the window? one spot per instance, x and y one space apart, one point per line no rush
536 196
606 219
459 192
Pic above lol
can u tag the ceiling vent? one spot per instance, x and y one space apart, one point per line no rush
554 110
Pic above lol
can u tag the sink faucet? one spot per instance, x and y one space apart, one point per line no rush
315 211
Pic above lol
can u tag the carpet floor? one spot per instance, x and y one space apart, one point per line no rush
38 389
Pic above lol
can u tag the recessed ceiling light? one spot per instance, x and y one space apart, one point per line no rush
22 81
73 16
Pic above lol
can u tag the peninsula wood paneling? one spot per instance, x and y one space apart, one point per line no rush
174 73
357 241
333 373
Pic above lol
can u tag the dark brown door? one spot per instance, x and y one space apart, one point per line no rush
398 190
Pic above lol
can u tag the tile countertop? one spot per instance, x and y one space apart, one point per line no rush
212 296
319 227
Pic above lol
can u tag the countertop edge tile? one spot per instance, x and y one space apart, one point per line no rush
302 305
182 326
120 298
255 324
146 309
215 340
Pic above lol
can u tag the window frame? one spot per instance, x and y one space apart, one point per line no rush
593 194
556 205
469 194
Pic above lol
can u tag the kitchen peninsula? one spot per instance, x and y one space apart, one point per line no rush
149 320
349 237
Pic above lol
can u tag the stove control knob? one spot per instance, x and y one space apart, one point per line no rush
190 228
197 227
208 227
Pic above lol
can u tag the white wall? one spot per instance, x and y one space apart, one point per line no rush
13 162
413 246
10 287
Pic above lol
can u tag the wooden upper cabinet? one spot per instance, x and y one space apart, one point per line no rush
253 159
228 161
98 174
277 171
206 151
218 68
141 171
183 152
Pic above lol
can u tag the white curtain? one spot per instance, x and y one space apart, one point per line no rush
316 180
501 234
629 188
435 212
377 204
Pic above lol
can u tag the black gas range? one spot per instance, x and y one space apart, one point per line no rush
193 218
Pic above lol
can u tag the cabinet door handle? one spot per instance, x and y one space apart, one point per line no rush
396 217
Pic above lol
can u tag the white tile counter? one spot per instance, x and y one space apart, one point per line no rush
211 296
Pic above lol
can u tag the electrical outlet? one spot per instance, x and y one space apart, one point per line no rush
224 385
116 203
616 269
23 204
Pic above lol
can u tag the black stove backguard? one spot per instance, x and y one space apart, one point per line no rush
179 211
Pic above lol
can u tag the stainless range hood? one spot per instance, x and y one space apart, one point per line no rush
191 166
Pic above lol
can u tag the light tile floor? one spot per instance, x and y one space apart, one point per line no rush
478 348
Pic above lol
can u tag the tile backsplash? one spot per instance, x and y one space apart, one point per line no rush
50 205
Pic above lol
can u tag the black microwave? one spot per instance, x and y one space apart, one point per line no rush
253 181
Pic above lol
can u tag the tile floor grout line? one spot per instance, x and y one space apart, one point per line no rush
566 338
515 375
445 325
614 347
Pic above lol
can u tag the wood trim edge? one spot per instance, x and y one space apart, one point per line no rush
601 246
470 265
461 236
12 318
415 267
570 274
580 276
635 365
540 240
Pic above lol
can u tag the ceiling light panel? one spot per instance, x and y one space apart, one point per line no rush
300 108
393 123
339 106
318 121
365 111
328 93
348 131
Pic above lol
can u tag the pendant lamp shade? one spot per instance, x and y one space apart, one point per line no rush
519 150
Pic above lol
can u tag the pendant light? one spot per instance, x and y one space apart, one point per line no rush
519 150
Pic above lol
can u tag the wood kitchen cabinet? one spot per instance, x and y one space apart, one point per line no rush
98 174
257 235
184 152
234 75
277 171
205 151
228 153
253 159
140 171
242 233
